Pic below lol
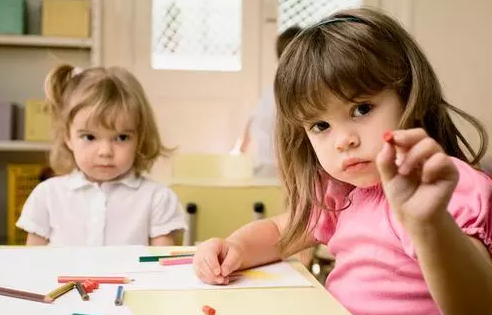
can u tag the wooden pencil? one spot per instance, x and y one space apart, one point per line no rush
83 293
25 295
98 279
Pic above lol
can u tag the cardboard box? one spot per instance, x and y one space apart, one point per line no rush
7 118
66 18
37 121
12 16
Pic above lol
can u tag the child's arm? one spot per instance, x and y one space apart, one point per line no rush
259 241
457 268
35 218
170 239
167 219
33 240
163 240
253 244
419 190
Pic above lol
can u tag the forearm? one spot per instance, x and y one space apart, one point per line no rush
245 139
459 276
258 240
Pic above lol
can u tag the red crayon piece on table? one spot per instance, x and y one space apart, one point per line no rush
90 286
208 310
94 284
388 137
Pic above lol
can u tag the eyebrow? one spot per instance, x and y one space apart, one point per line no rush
88 131
83 131
128 131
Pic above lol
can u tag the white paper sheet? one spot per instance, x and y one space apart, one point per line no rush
183 278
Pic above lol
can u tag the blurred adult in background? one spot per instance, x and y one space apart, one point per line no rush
260 126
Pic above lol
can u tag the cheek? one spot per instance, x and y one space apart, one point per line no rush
323 149
82 149
127 152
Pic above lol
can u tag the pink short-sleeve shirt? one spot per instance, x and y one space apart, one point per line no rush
376 270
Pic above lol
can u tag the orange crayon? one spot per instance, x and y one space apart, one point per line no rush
182 252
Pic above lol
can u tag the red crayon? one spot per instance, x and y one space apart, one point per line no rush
208 310
388 137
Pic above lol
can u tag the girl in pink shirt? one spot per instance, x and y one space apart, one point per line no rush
403 211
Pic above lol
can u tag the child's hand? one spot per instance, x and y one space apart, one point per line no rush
420 186
216 259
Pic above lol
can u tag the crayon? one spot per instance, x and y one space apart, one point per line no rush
119 296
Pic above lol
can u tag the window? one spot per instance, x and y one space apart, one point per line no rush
196 34
306 12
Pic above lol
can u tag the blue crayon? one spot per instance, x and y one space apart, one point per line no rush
119 296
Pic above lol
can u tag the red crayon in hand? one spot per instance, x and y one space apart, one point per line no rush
388 137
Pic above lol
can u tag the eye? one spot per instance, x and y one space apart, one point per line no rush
88 137
320 126
362 109
122 137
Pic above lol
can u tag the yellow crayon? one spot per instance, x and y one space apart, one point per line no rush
61 290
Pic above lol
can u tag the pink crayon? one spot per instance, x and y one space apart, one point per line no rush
176 261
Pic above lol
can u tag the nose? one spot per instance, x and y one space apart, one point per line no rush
346 140
105 149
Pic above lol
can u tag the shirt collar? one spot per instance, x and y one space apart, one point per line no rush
77 180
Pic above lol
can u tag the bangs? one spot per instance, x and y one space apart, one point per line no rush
111 106
110 116
332 61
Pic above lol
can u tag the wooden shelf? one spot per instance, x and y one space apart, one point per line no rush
43 41
19 145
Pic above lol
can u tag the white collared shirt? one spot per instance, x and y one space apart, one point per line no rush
73 211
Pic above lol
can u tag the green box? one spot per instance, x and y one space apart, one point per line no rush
12 16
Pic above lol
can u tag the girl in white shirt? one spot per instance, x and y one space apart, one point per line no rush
105 138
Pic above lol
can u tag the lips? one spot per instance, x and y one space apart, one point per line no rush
352 162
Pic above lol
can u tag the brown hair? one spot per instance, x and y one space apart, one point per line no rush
109 92
353 53
285 38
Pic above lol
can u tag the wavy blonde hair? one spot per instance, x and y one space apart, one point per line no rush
109 92
353 53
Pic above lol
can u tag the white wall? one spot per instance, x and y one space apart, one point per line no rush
455 35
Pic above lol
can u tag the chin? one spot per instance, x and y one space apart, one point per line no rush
105 178
365 182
